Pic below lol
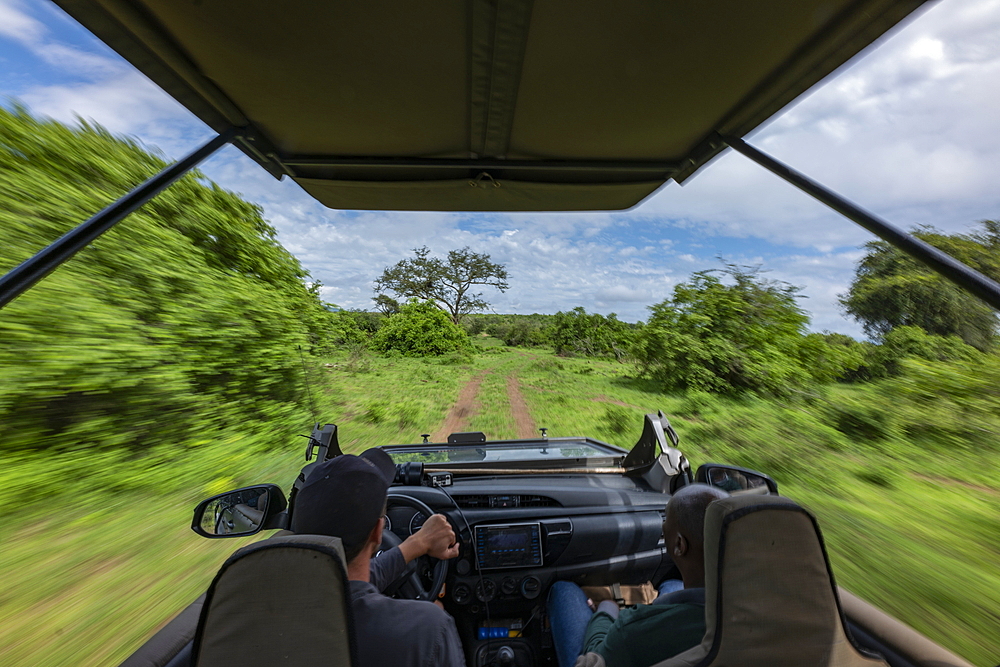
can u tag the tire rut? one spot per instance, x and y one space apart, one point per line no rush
465 406
523 422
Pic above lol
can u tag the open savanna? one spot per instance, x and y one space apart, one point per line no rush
93 566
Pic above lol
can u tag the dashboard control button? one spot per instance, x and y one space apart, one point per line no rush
461 593
531 587
463 567
486 590
508 586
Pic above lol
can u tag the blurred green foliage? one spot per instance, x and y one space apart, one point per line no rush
185 319
745 333
891 289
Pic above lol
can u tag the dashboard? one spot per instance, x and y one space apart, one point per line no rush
519 534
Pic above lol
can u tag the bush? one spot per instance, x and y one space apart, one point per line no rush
725 338
420 329
592 335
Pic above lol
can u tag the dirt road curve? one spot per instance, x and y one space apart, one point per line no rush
464 408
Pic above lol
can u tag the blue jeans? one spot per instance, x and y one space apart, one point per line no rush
570 615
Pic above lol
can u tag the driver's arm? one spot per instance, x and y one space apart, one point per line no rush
435 538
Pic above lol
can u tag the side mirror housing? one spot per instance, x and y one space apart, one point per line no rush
241 512
735 479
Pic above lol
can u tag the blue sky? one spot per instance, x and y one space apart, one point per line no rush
911 131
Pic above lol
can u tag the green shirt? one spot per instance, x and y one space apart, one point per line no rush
644 635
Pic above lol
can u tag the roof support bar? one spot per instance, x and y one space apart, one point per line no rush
949 267
22 277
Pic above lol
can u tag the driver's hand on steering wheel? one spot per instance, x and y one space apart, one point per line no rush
435 538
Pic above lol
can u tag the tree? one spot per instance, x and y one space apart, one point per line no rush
420 329
748 334
891 289
445 283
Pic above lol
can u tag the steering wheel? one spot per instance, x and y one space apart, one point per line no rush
410 584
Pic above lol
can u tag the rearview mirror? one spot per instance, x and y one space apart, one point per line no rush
735 479
239 513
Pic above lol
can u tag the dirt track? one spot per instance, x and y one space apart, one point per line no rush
464 408
467 405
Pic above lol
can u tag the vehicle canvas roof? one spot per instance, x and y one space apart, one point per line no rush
556 105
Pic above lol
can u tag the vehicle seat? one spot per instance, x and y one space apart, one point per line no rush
770 598
281 601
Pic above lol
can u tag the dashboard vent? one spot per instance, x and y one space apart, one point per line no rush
507 500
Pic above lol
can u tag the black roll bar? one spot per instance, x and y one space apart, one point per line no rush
23 276
944 264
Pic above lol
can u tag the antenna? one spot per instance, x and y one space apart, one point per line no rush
305 375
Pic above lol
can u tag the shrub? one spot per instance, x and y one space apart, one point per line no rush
420 329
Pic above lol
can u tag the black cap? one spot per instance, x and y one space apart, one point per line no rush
344 497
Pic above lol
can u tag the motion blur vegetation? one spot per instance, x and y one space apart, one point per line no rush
891 289
185 321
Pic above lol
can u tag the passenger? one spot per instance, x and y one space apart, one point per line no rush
646 634
345 497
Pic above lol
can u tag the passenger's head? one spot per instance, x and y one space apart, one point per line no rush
684 530
345 497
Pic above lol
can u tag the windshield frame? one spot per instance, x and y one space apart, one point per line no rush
613 458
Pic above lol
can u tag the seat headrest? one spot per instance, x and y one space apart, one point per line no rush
282 601
770 599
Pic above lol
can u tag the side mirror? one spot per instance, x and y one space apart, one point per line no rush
241 512
735 479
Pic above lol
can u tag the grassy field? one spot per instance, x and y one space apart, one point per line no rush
93 566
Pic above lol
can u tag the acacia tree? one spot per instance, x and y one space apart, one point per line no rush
446 283
891 289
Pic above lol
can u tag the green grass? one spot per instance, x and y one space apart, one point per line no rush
102 554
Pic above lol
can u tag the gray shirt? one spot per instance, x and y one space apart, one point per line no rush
403 633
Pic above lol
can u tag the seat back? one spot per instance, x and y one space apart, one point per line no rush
282 601
770 598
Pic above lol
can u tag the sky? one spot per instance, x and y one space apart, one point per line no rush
910 130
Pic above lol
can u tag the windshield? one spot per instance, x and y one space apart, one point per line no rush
502 451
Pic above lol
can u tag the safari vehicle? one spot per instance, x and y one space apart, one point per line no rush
510 105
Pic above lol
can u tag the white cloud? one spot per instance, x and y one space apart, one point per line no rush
17 25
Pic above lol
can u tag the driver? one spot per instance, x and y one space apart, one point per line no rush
647 634
346 497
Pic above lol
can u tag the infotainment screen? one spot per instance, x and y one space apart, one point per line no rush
510 545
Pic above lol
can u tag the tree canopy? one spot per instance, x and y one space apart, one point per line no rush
446 283
891 289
